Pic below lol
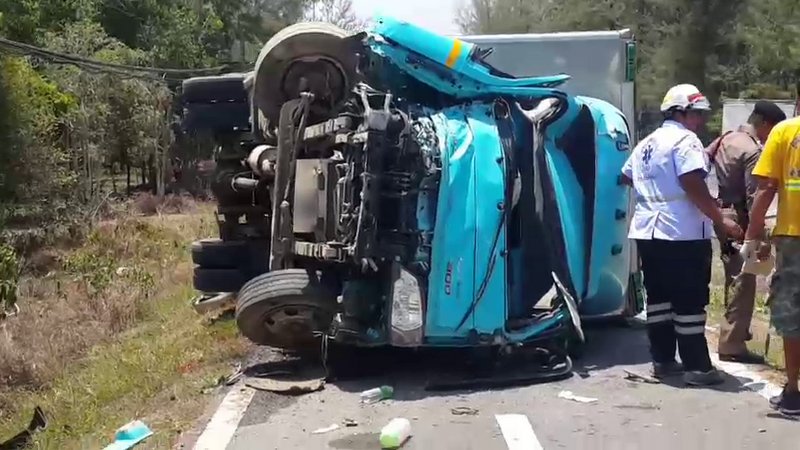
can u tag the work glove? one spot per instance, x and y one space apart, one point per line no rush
754 258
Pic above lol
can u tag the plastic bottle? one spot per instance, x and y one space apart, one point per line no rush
377 394
396 433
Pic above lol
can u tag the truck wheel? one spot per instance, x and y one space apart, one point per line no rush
219 254
285 309
218 280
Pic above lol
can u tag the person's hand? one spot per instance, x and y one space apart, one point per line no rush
731 229
756 257
749 250
749 254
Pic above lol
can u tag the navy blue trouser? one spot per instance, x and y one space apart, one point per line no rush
677 275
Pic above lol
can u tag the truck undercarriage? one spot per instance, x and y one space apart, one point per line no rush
344 216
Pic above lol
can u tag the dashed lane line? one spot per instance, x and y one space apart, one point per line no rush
225 421
518 432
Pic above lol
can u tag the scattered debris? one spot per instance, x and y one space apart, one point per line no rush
333 427
303 380
24 439
130 435
568 395
583 373
464 411
273 373
349 423
780 415
377 394
288 387
643 406
396 433
640 378
234 377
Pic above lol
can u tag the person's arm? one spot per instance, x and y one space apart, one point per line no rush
694 184
768 172
765 194
627 171
691 166
751 182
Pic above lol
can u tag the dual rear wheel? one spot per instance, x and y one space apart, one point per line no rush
287 309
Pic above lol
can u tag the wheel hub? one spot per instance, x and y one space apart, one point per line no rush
294 325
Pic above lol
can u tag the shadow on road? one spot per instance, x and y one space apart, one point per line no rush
412 372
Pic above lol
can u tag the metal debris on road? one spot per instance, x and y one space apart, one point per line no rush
464 411
643 406
640 378
301 380
235 376
568 395
349 423
333 427
288 387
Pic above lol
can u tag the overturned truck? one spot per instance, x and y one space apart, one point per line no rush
395 187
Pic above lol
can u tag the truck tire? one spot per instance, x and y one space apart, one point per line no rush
219 254
285 309
302 41
218 280
214 89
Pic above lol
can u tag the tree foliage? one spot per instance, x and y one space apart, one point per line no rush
726 47
68 133
337 12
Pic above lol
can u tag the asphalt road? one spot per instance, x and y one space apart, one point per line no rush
626 415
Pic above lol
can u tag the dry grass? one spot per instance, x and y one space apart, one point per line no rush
155 372
148 204
107 328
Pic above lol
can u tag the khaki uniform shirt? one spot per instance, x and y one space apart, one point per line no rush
734 155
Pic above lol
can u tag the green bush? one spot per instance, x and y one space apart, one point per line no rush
9 277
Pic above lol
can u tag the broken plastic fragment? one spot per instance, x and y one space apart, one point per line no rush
130 435
568 395
333 427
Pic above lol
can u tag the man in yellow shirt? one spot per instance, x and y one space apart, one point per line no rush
778 170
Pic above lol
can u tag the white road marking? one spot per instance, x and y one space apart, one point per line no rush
518 432
743 372
223 424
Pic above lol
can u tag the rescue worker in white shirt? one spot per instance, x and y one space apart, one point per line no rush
672 226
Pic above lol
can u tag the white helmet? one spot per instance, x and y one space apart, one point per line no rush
685 97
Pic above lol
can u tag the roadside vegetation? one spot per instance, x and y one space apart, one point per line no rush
107 334
101 194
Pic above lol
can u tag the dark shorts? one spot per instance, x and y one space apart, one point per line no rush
784 291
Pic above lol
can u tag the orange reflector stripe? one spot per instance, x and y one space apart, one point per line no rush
455 52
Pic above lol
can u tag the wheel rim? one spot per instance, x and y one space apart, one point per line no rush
293 325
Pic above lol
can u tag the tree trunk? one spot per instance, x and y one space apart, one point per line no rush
113 178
